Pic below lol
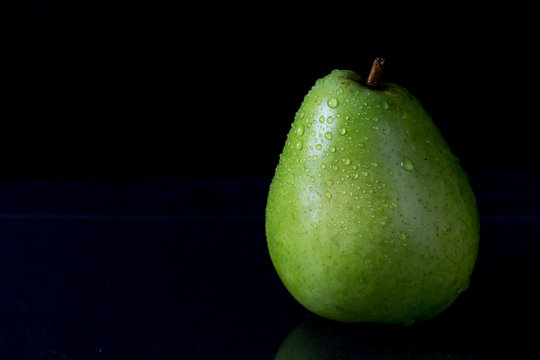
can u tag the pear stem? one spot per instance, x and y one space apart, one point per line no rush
375 75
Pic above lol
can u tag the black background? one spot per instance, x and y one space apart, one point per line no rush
138 140
136 89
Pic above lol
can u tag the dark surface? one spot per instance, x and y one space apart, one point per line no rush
178 269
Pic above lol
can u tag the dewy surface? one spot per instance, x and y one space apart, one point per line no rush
370 217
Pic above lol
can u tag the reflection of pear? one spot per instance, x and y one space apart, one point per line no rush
306 342
318 339
370 217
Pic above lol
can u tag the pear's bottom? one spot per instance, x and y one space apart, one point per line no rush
379 307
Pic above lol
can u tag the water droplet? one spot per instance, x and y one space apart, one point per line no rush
354 176
321 119
323 166
300 130
318 146
332 102
328 195
428 141
406 164
365 173
328 135
340 91
330 119
335 167
299 145
402 235
374 164
385 105
347 161
315 157
329 182
332 149
342 131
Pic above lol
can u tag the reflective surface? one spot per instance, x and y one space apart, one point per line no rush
125 282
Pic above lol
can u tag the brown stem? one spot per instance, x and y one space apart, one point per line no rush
375 75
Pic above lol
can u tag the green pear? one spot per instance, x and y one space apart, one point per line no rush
370 217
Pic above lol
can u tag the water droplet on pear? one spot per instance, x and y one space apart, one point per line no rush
332 103
406 164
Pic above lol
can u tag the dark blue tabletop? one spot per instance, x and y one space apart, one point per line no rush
178 269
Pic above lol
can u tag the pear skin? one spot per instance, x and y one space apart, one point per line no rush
370 217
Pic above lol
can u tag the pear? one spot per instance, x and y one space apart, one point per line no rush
369 216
